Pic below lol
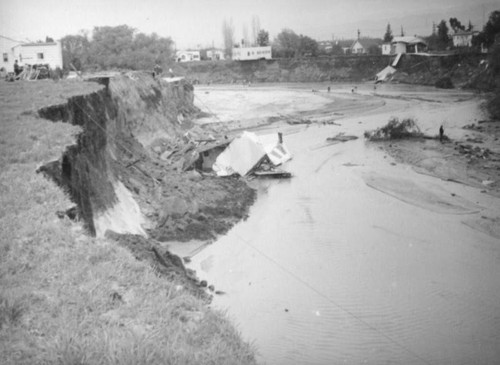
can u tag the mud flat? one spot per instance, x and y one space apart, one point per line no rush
368 254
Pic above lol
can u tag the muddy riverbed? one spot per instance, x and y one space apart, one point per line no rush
359 258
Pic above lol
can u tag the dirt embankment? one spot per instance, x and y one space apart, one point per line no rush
133 137
468 70
339 69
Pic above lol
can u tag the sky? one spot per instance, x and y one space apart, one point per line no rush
198 23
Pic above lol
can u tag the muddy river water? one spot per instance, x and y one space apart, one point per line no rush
357 259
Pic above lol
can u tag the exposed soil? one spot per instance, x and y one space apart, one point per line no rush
133 132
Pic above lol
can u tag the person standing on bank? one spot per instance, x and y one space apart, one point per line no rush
441 133
17 68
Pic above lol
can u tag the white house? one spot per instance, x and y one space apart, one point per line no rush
187 56
40 53
408 44
252 53
386 48
30 53
365 45
463 38
7 46
215 54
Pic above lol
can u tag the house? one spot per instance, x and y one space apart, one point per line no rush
30 53
325 46
187 56
463 38
252 53
366 46
386 48
215 54
408 44
40 53
7 46
345 45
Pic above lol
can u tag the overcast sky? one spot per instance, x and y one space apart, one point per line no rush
198 22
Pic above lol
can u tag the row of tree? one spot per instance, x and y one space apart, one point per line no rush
116 47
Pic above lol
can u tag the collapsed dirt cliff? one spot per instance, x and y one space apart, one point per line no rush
126 171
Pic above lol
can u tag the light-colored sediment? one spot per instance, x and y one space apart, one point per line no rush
361 257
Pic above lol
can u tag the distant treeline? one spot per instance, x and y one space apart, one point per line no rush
119 47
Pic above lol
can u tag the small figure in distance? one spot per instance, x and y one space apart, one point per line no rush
17 68
328 88
441 133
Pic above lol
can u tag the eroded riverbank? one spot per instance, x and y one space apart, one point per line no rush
329 269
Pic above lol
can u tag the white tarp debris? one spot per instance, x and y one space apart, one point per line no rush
386 72
244 153
173 79
241 156
277 152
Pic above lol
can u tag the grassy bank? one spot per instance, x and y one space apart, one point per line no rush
66 298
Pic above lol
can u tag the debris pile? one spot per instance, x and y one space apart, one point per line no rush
252 154
395 129
473 152
341 137
34 72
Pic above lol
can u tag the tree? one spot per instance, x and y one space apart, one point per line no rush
116 47
263 38
388 34
307 46
256 30
286 44
246 39
492 28
228 37
442 35
456 25
111 46
75 51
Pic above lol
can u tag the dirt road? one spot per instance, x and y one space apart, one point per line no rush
359 257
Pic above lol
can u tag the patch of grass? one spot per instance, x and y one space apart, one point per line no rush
395 129
10 311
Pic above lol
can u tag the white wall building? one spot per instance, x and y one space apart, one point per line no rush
386 48
215 54
40 53
187 56
463 38
252 53
29 54
408 44
7 46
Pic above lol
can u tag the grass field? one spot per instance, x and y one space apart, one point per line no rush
66 298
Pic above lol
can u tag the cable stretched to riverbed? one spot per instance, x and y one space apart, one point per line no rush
327 298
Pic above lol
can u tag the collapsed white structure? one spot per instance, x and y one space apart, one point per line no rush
384 74
247 151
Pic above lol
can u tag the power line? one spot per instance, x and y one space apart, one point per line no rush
326 297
